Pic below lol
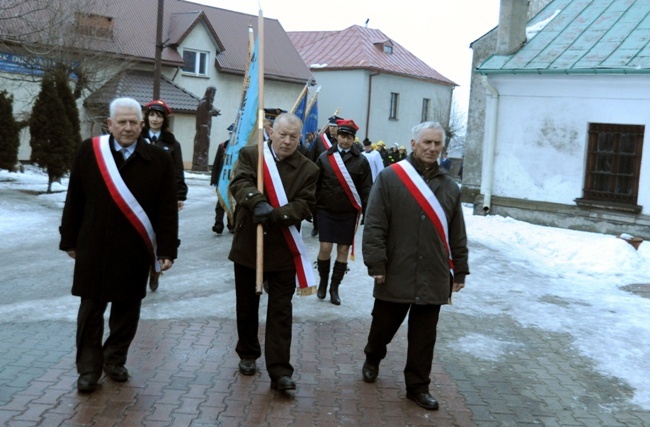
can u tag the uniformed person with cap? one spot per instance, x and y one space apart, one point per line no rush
339 203
156 131
319 147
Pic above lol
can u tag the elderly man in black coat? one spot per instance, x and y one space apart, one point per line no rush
120 219
415 248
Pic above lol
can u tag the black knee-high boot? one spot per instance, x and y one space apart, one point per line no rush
338 272
324 272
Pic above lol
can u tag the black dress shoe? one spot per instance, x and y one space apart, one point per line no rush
87 383
283 383
153 280
314 232
247 366
369 372
218 228
117 373
424 400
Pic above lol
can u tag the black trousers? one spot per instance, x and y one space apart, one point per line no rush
422 322
219 212
279 318
122 323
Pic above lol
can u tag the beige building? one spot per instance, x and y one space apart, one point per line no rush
203 46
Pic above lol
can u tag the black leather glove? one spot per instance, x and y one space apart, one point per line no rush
262 213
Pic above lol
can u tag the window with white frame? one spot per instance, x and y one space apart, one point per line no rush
195 62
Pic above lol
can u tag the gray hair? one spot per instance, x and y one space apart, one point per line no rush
417 130
124 102
289 117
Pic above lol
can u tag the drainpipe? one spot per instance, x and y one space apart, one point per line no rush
369 101
490 145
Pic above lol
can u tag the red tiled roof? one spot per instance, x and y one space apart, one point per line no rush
358 47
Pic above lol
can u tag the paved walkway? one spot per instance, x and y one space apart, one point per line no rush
184 373
489 370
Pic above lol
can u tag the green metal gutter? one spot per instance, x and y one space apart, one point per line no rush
567 71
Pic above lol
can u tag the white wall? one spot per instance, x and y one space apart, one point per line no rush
227 98
350 89
542 130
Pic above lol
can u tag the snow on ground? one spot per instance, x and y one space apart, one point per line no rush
557 280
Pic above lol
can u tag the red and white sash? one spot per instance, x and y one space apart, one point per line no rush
326 141
427 201
123 197
345 179
305 280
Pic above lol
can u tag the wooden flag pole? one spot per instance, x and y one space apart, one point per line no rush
322 130
302 93
246 83
259 261
311 102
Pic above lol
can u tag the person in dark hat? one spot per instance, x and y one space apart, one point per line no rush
156 131
269 118
330 134
374 158
217 166
341 194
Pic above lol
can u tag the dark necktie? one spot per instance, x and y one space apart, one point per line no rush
154 138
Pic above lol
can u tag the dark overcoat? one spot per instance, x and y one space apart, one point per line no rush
112 262
298 175
330 194
217 165
401 243
170 144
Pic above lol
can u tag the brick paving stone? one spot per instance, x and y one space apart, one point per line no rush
184 373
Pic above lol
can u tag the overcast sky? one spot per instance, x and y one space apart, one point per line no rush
438 32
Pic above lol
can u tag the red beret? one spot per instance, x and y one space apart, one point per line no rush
347 126
159 105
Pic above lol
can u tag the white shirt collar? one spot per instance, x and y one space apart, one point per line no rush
129 150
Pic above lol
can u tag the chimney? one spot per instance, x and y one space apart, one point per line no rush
511 35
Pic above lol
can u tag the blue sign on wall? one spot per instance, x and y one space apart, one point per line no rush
21 64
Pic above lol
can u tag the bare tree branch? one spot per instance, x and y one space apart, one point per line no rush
45 35
452 119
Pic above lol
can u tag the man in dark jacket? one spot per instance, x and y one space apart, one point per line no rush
120 218
297 177
342 192
415 247
217 167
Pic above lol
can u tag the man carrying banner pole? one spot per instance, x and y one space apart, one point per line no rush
120 219
287 198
